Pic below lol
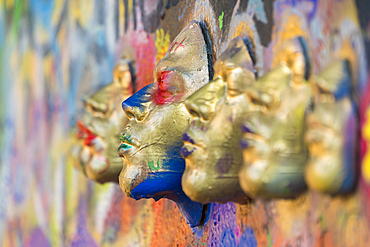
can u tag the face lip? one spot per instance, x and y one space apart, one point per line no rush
189 144
127 144
250 134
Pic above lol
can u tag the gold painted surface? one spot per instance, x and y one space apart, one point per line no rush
211 143
332 128
96 151
274 151
151 141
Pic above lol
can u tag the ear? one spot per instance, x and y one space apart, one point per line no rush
236 55
294 54
190 53
124 69
335 79
267 89
236 66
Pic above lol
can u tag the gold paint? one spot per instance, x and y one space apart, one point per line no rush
211 143
103 119
159 117
328 134
275 154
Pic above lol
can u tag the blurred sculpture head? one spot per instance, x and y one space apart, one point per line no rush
96 152
332 131
274 151
211 143
151 142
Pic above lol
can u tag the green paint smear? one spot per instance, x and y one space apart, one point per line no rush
221 20
152 167
125 138
269 239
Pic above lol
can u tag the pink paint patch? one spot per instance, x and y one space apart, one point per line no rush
145 58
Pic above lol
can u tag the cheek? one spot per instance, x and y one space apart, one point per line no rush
170 88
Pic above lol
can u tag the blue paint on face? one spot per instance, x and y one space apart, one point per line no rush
224 164
167 184
157 184
140 98
245 129
187 138
166 180
244 144
185 152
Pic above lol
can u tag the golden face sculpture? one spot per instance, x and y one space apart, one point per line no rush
273 146
151 142
211 143
96 152
332 131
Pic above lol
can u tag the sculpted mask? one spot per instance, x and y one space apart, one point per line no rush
151 142
96 153
332 131
211 143
274 151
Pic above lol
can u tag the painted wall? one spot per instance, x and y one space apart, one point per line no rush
54 52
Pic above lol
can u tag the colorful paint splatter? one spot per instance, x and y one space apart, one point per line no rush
55 52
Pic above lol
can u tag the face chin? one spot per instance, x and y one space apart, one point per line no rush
152 164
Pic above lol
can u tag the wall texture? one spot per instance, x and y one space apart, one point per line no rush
54 52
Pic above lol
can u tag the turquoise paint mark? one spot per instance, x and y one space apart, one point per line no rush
221 20
123 147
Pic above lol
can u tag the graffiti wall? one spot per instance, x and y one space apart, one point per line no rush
56 54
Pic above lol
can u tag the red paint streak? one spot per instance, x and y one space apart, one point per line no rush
162 96
85 133
178 44
172 46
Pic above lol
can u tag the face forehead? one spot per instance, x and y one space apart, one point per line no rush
190 57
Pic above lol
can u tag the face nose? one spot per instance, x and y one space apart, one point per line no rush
137 106
202 104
